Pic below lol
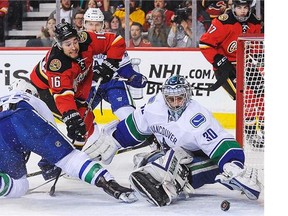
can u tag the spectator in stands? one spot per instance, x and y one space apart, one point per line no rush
107 27
158 33
168 13
116 27
136 13
78 19
180 34
4 4
46 37
66 11
15 15
90 4
202 15
137 39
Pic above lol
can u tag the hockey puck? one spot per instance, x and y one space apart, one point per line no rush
225 205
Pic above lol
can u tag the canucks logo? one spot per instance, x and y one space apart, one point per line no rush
197 120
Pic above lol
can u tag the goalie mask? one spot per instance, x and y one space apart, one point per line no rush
25 86
94 15
249 3
176 92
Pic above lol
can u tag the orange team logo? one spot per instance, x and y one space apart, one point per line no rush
83 37
55 65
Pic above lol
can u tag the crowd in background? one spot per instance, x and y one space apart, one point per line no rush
156 23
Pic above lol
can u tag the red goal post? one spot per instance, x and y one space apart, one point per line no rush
250 94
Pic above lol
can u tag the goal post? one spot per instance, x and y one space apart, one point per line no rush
250 94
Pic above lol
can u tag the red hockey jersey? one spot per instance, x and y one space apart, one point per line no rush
221 37
69 79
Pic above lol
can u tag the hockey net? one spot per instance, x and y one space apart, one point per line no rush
250 100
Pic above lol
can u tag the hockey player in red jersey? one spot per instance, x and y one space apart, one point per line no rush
64 77
219 43
219 47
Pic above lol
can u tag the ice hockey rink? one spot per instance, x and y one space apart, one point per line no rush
73 197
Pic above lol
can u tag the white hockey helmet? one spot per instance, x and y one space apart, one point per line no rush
25 86
177 93
94 15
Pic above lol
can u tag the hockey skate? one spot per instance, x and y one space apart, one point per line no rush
112 188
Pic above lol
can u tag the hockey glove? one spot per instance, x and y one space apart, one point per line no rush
106 70
236 177
49 171
224 66
75 125
137 81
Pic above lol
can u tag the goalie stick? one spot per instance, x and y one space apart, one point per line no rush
89 107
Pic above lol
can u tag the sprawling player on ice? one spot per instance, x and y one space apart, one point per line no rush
219 47
27 125
196 150
64 77
115 91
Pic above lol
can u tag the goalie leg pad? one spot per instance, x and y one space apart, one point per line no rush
163 180
150 188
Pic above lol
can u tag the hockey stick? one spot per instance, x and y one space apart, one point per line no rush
46 182
34 174
147 142
141 145
52 189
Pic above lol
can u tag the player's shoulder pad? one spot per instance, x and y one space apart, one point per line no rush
227 18
58 61
84 40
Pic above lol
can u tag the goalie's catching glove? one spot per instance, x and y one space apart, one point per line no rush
75 126
106 70
236 177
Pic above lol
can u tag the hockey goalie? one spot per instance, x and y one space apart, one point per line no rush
195 149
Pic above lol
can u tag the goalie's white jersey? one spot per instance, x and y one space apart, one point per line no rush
196 129
38 105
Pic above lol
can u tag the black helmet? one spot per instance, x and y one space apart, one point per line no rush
64 31
235 3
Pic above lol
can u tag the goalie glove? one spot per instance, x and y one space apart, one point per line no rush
105 148
106 70
235 177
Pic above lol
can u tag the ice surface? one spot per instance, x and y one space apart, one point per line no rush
73 198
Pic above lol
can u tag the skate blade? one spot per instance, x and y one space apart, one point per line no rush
128 197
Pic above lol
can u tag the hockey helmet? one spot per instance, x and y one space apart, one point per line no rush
25 86
177 93
64 31
94 15
250 3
